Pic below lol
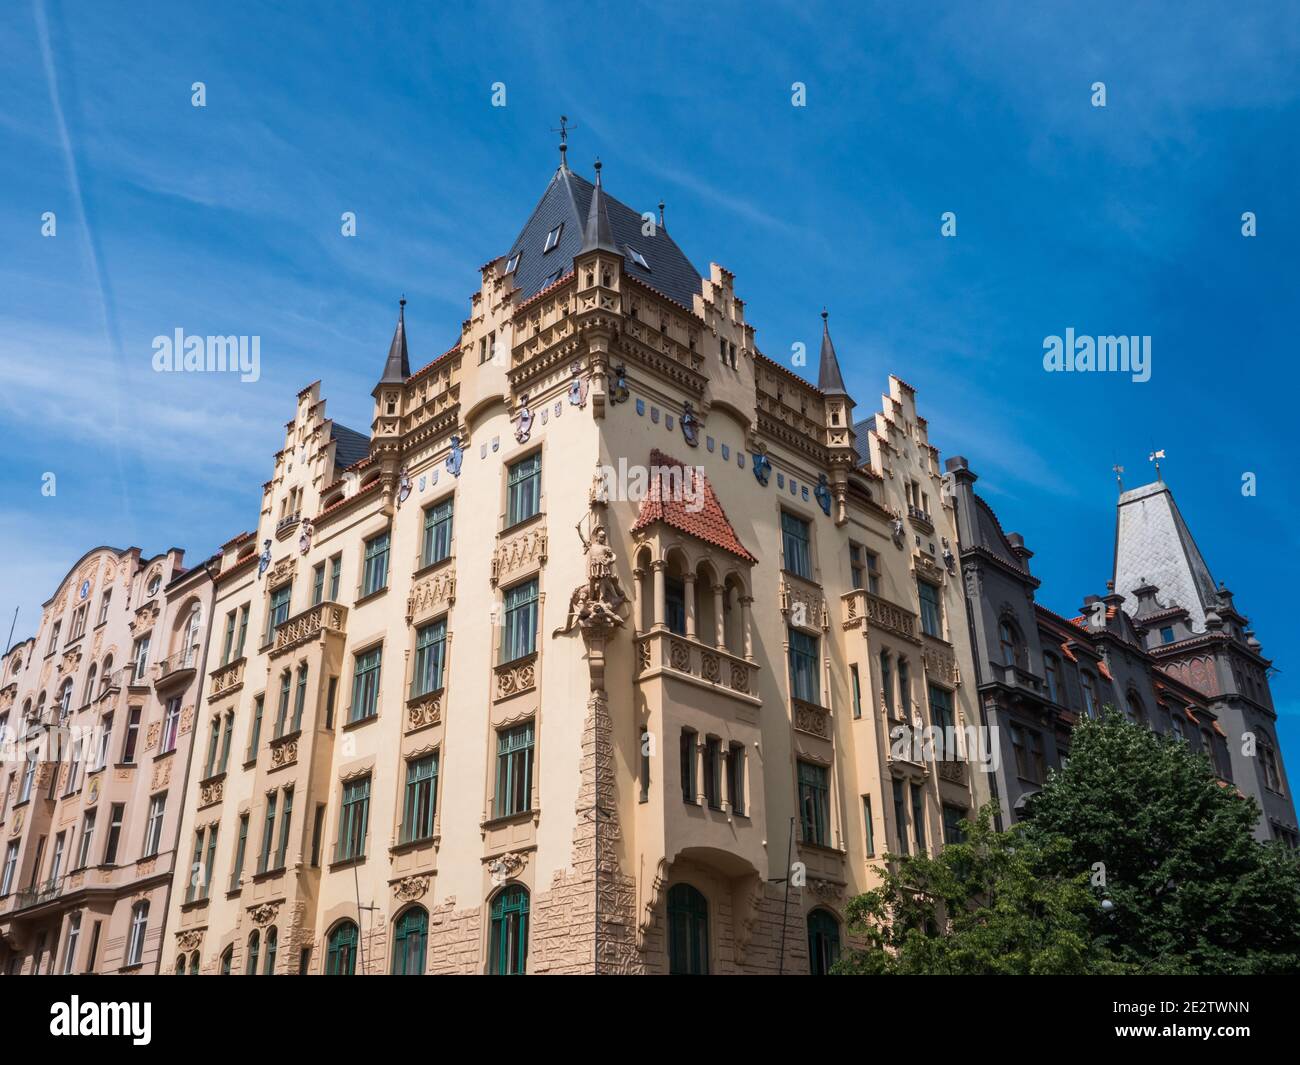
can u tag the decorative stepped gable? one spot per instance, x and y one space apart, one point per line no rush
566 203
707 522
1154 546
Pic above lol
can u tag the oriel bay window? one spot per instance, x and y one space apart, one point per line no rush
814 803
374 572
365 685
803 667
430 654
437 533
354 820
519 636
524 489
421 798
514 770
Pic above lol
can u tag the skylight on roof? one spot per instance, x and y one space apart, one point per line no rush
550 279
513 264
636 257
553 238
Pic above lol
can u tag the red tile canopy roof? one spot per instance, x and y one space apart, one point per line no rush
707 522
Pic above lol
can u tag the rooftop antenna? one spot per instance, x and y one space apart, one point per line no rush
1155 457
564 131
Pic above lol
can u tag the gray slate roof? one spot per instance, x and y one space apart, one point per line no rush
860 431
567 202
1154 546
350 446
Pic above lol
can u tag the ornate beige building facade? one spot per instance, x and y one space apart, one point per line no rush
96 717
605 650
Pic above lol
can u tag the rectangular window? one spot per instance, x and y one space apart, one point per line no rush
904 688
374 574
214 739
868 826
171 724
74 768
736 778
114 833
11 867
421 795
857 691
154 825
210 860
430 653
226 737
524 489
103 606
520 636
87 837
941 717
228 644
900 816
331 693
56 861
713 772
795 543
78 623
918 817
241 846
857 565
675 605
814 803
286 820
553 238
354 820
132 735
336 573
803 667
243 631
317 833
282 711
688 760
299 698
268 833
196 863
365 685
255 729
140 658
515 770
279 610
886 683
437 533
954 824
873 572
931 610
318 583
645 765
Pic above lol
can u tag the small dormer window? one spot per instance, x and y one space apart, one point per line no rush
553 238
1167 634
513 264
637 257
551 279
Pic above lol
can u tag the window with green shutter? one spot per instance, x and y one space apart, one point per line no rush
804 682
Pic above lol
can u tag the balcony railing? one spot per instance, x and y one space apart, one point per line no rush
186 660
306 626
811 718
862 607
49 890
227 678
662 651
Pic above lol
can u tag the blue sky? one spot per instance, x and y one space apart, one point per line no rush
225 219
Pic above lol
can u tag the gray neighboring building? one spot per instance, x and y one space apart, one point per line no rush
1182 660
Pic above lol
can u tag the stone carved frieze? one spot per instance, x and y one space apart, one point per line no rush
264 913
506 866
424 712
805 607
516 552
410 888
144 619
436 590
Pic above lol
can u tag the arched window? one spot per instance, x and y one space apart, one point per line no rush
688 931
272 942
180 965
1009 641
341 952
89 691
194 964
823 942
227 960
139 926
1133 709
254 947
191 644
65 700
410 936
508 944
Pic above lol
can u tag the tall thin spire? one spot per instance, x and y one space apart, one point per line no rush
598 236
398 367
829 379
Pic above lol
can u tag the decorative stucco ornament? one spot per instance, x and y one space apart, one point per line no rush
265 560
823 493
457 457
620 391
403 486
762 468
523 420
690 426
949 559
304 537
578 386
897 528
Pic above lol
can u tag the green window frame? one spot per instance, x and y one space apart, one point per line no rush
900 816
524 489
421 798
796 540
336 574
941 717
508 941
282 710
354 820
268 833
254 947
430 657
272 943
365 685
514 770
410 941
869 827
823 942
687 748
804 681
318 584
688 931
436 544
278 612
918 818
299 698
814 803
341 950
857 690
286 820
229 644
713 772
931 609
240 847
519 638
374 574
255 730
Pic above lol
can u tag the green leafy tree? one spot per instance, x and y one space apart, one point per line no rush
1173 848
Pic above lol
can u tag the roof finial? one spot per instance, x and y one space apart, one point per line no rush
597 170
1119 476
564 131
597 233
829 378
1155 457
661 214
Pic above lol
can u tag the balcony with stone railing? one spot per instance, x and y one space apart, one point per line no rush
811 718
307 626
862 609
663 652
227 679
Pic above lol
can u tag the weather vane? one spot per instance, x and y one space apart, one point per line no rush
564 131
1155 457
1119 476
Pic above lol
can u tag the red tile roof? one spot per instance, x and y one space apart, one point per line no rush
707 522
